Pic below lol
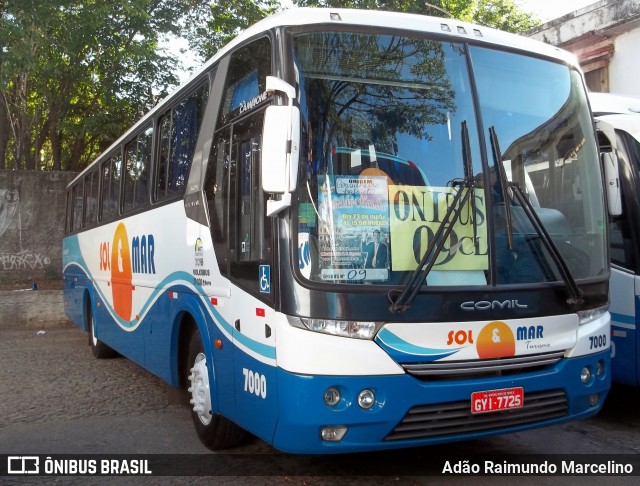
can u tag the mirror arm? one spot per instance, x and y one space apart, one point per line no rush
274 84
274 206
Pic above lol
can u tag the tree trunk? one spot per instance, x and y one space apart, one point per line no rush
79 145
55 137
4 133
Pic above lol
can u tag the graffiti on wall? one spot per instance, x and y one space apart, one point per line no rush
32 220
23 260
9 199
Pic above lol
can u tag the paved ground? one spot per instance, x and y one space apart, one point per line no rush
55 398
50 381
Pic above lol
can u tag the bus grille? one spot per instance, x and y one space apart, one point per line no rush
429 421
440 370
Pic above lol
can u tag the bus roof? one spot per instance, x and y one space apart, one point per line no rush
608 103
393 20
337 16
630 124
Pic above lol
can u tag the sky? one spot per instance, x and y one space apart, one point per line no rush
547 10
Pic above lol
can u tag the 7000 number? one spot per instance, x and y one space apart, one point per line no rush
255 383
598 341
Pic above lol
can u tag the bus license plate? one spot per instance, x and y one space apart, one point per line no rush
495 400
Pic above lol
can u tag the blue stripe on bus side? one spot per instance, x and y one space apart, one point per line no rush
622 318
176 278
398 348
186 278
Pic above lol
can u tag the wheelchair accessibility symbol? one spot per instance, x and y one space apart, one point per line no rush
265 279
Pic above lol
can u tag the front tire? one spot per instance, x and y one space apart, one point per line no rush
214 431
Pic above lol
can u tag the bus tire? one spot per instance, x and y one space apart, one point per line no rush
214 431
99 349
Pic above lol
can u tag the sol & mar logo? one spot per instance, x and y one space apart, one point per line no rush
124 260
496 339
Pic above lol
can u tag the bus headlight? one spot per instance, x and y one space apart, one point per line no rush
600 368
332 396
333 433
366 399
352 329
585 375
589 315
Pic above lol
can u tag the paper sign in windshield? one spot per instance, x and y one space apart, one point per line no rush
354 228
416 213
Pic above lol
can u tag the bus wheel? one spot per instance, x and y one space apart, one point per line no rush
99 349
215 431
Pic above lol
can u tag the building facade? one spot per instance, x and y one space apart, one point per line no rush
605 37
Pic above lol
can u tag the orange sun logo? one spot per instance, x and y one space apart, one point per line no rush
496 341
121 273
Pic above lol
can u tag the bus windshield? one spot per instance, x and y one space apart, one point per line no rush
391 135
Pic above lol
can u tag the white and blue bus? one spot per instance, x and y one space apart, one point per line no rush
618 122
353 231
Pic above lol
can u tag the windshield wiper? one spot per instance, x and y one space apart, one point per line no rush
400 301
504 183
575 294
468 173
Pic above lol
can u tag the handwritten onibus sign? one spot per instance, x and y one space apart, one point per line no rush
416 212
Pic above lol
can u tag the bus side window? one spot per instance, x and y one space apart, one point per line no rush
179 128
76 216
68 227
90 198
137 160
163 165
110 172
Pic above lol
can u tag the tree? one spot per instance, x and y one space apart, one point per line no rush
75 74
211 26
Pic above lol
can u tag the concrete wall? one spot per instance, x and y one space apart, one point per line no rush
42 309
32 217
624 70
603 18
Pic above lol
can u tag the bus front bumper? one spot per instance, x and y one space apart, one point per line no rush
408 412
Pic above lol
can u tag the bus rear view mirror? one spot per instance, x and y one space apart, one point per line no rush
608 150
612 181
280 149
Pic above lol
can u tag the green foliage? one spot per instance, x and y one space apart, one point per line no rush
74 75
212 26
